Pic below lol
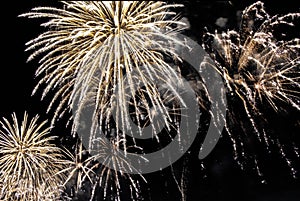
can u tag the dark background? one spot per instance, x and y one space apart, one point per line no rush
221 179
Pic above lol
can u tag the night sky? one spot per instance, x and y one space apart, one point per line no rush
221 179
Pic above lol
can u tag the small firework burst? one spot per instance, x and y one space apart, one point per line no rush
28 161
79 169
113 166
100 176
260 65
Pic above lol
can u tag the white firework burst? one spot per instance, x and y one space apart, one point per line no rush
99 54
109 40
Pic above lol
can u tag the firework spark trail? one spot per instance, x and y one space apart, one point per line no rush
260 65
28 161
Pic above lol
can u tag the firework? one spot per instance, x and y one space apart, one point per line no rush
113 180
100 54
29 163
103 174
109 41
79 168
260 67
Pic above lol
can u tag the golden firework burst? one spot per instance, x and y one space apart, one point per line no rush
29 162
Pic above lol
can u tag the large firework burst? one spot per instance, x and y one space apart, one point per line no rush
109 55
110 41
260 65
29 162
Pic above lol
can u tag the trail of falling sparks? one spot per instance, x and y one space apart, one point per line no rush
260 66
